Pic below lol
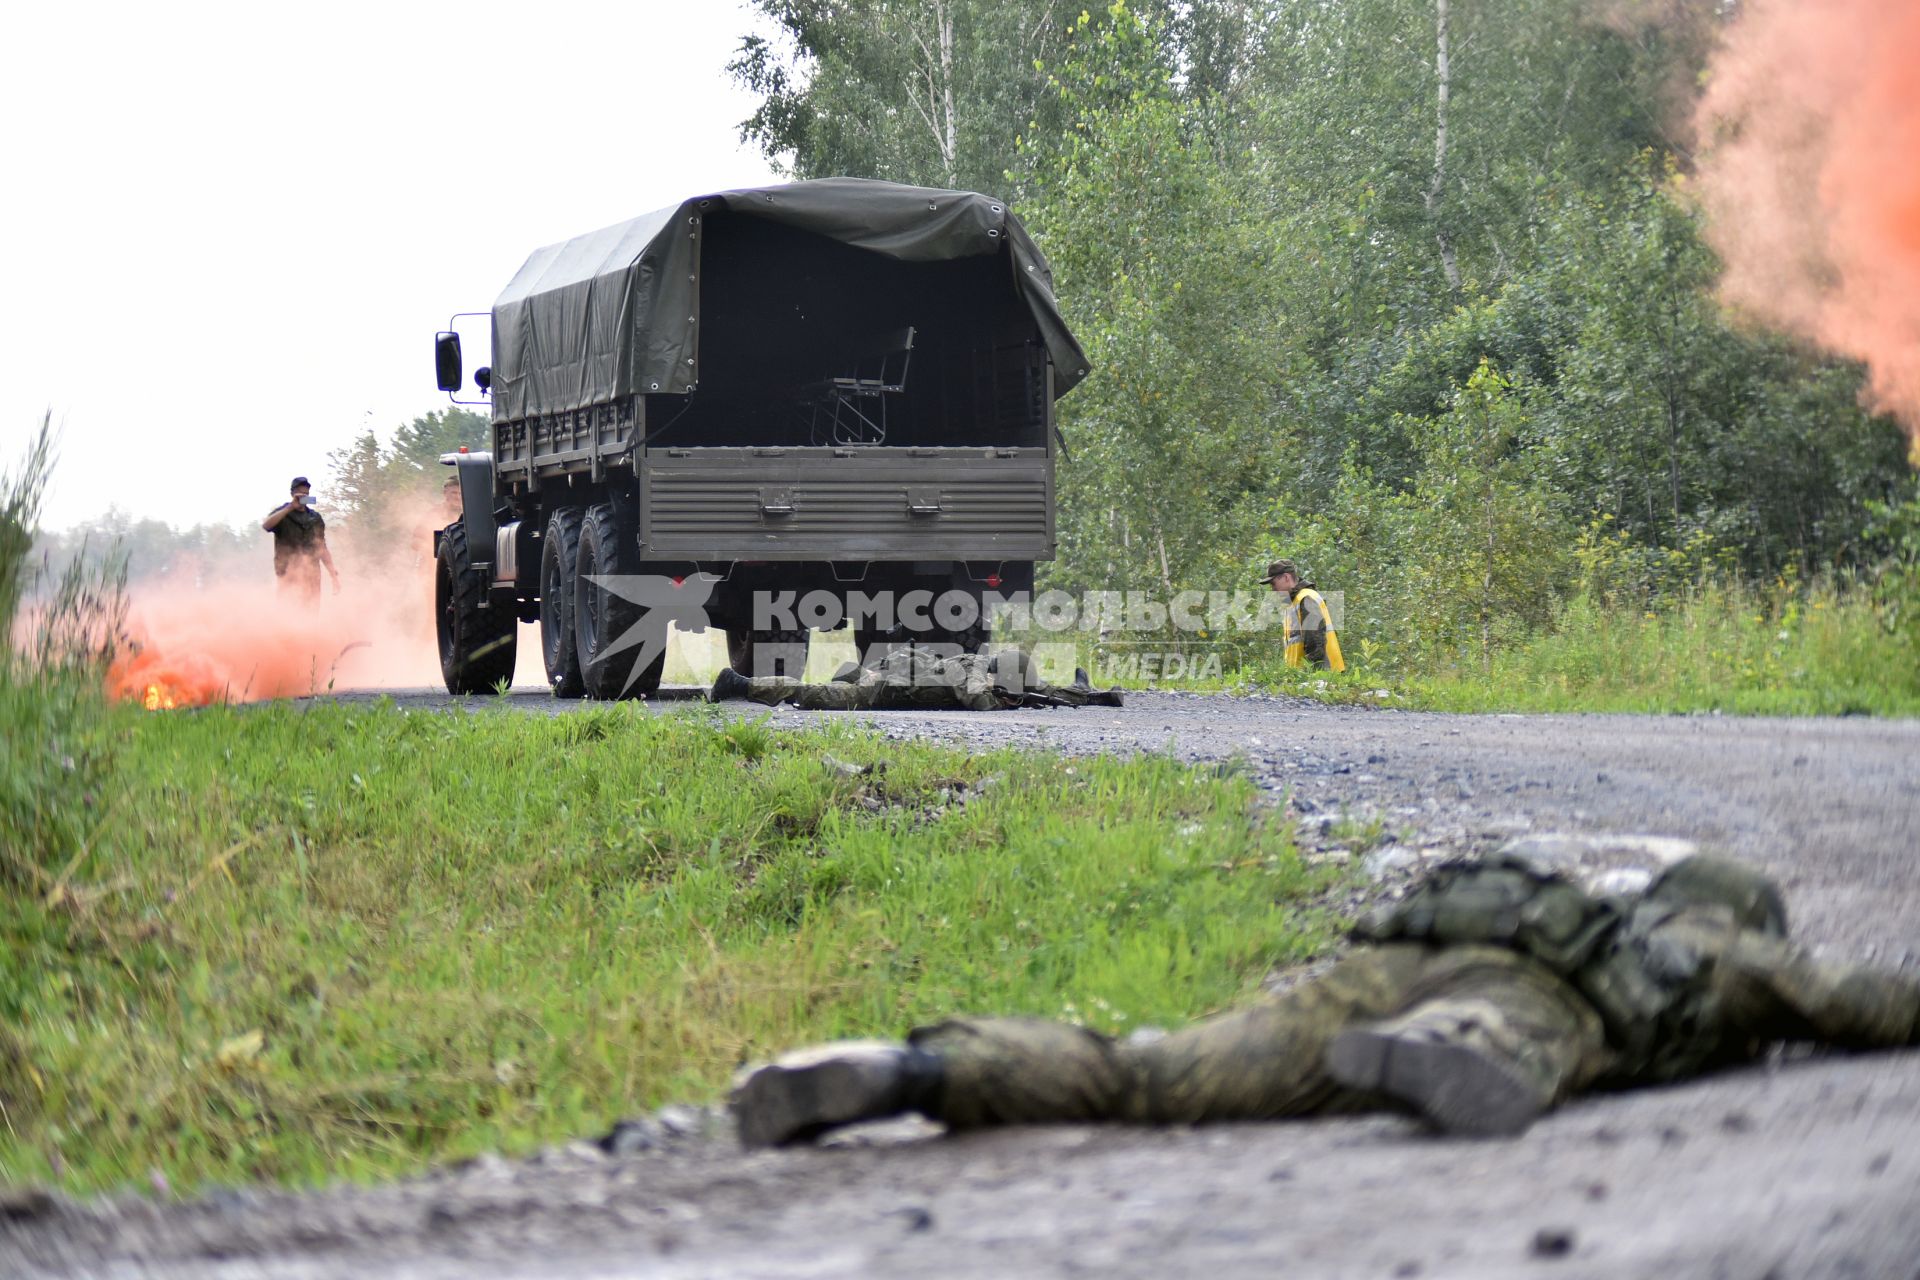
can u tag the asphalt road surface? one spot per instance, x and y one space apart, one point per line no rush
1804 1166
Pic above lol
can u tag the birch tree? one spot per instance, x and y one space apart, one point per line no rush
932 92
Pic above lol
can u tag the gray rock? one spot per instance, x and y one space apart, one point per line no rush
1385 861
23 1204
629 1137
894 1131
681 1121
232 1200
1552 1242
488 1166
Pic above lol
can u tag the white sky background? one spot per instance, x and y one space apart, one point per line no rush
232 230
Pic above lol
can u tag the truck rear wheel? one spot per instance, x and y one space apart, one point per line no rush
477 644
559 556
768 653
603 618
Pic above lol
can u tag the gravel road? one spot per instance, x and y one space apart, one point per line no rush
1805 1166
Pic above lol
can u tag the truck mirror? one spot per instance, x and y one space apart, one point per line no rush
483 379
446 360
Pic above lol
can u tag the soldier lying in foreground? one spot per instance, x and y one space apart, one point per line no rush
1492 993
917 678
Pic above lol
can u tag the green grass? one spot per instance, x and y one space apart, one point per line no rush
1718 648
1783 649
309 941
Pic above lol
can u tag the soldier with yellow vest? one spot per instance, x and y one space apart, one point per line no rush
1311 640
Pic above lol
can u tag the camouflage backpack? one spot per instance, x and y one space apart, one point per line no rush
1505 901
1651 981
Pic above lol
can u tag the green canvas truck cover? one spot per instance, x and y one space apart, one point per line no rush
616 312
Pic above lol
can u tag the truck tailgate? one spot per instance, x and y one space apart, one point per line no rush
865 503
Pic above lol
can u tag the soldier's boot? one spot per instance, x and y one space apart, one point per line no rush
1096 697
802 1094
729 685
1455 1063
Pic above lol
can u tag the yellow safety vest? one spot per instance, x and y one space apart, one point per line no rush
1296 641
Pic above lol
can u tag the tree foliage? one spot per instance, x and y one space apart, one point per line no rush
930 92
381 489
1414 289
1162 281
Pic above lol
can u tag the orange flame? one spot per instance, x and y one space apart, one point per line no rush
147 672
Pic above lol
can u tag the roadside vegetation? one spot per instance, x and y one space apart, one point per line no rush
1678 631
314 940
1729 649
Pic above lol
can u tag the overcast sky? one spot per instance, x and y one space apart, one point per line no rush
233 230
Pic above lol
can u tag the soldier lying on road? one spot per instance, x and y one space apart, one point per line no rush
919 678
1492 993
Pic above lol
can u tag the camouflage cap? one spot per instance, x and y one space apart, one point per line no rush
1712 881
1279 567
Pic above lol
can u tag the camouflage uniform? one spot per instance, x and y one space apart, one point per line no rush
1558 990
1267 1061
910 677
1573 991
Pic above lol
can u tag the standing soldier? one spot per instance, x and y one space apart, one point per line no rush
910 677
1492 993
300 544
1311 640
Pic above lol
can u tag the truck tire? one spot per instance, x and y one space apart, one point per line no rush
559 555
768 653
477 644
601 618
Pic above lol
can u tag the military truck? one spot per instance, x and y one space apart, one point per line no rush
839 386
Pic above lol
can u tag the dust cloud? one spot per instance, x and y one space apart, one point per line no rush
1811 180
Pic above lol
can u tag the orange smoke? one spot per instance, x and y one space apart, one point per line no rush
231 636
241 643
1812 181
